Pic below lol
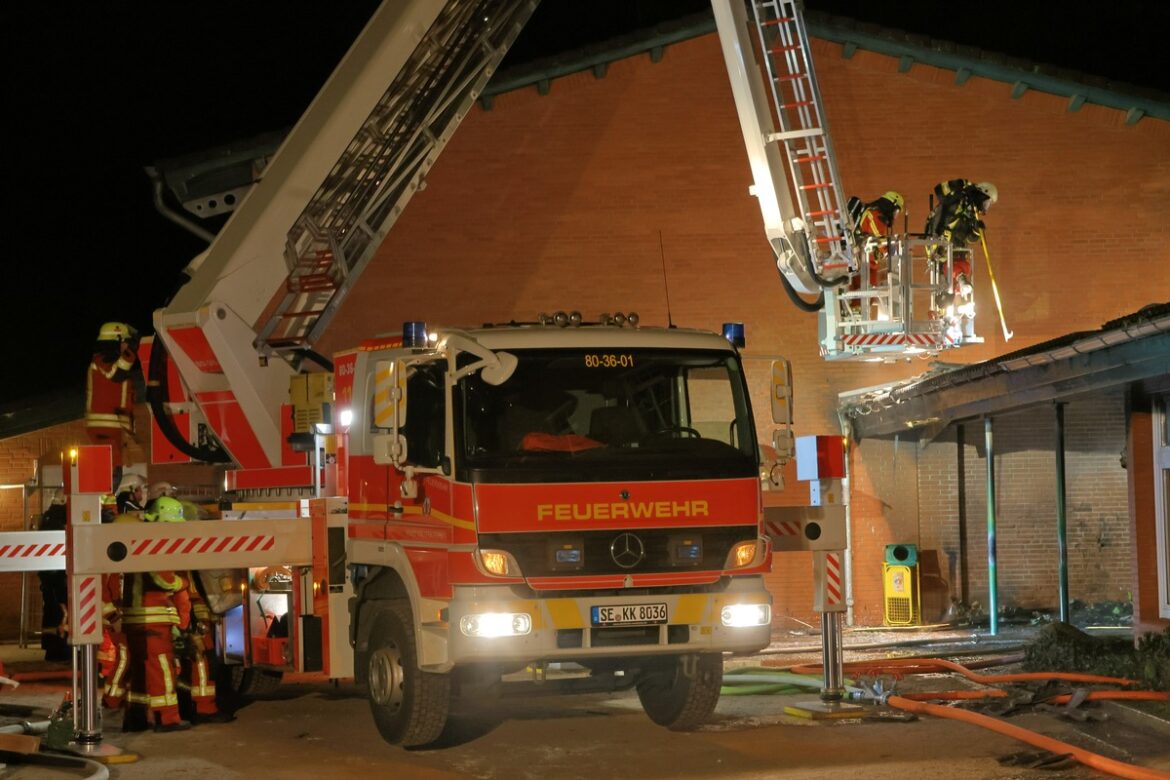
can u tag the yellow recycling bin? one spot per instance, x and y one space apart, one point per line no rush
900 588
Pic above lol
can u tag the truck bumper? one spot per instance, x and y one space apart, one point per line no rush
567 628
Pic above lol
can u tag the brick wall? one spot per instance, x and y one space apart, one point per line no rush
1097 504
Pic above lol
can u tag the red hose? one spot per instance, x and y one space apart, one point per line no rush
1088 758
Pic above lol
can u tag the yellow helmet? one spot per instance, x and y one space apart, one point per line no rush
116 331
165 510
895 198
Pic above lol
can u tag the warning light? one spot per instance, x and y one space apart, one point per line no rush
734 332
72 454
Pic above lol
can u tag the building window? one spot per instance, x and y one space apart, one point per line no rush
1162 499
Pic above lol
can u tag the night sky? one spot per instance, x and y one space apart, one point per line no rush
96 91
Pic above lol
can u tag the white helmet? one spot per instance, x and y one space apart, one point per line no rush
990 190
160 489
131 482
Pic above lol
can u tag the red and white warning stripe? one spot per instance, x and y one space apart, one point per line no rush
86 615
782 527
890 339
32 550
203 544
833 578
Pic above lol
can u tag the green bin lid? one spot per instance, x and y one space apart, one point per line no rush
902 554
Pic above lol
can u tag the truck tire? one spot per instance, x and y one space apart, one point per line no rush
409 706
252 683
679 700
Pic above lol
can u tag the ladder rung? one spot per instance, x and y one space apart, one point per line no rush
821 186
823 213
808 158
796 104
776 21
788 135
828 240
781 49
789 76
288 315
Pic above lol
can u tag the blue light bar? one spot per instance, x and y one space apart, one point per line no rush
414 334
733 332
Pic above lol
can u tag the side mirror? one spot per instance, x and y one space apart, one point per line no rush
390 394
390 412
782 392
390 449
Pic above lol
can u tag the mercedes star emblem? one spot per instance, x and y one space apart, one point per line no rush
627 550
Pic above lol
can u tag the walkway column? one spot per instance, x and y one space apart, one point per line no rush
992 584
1061 518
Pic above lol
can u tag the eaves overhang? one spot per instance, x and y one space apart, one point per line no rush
1129 349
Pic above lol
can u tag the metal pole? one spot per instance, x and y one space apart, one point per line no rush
1061 517
87 715
964 562
831 660
992 584
22 639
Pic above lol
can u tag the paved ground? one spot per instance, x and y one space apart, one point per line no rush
322 731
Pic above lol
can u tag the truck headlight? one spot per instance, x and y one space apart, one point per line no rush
489 625
746 615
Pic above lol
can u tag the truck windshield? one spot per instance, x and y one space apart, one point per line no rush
598 414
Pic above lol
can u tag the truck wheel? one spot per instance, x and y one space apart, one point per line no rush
251 683
409 705
682 693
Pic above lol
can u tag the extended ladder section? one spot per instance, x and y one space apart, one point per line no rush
804 133
279 269
383 166
875 307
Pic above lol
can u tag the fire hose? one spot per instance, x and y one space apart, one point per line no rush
912 703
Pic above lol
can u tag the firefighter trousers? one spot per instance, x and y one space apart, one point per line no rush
151 685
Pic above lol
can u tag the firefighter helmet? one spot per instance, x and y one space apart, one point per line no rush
159 489
165 510
990 194
131 482
896 198
116 331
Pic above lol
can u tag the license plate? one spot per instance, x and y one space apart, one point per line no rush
629 615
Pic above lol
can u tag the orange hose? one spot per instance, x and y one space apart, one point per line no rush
1088 758
1064 698
903 666
64 674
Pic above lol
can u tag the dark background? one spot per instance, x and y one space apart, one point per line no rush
94 92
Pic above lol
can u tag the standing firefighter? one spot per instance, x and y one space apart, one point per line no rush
109 390
957 218
197 698
874 220
150 621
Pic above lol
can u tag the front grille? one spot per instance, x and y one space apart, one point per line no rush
535 552
622 636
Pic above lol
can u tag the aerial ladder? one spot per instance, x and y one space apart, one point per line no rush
798 188
258 299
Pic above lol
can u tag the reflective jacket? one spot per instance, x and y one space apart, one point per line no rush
147 598
109 393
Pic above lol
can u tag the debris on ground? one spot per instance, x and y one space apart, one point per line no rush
1065 648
